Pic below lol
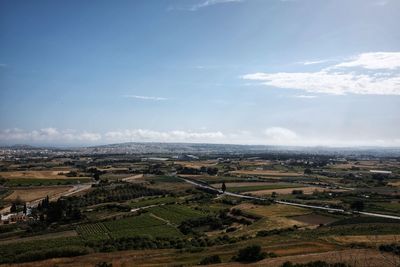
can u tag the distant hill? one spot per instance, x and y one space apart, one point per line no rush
196 148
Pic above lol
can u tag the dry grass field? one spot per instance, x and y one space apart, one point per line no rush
353 257
309 251
284 191
366 239
269 173
245 184
32 194
54 174
274 210
198 164
396 183
314 219
274 216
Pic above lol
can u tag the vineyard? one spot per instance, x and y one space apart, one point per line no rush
144 224
175 213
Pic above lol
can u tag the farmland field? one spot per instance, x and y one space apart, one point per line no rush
249 188
175 213
284 191
30 194
314 219
272 173
144 224
44 182
152 201
58 174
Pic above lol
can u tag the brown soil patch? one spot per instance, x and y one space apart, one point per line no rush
314 219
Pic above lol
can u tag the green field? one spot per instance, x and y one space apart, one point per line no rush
164 179
176 213
140 225
384 207
94 231
152 201
22 251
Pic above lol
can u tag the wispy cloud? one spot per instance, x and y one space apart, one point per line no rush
280 136
48 135
314 62
373 61
353 76
305 96
142 97
167 136
204 4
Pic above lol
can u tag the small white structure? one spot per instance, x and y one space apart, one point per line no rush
380 171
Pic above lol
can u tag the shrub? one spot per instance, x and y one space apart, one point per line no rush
210 260
250 254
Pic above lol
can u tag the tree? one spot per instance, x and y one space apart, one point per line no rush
210 260
250 254
357 205
307 171
223 187
13 208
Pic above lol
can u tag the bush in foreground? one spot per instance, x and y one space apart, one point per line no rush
252 254
210 260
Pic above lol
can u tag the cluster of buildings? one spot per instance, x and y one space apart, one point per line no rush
16 217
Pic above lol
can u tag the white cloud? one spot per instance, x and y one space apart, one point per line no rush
270 136
314 62
280 136
377 60
305 96
138 135
142 97
205 3
344 81
47 135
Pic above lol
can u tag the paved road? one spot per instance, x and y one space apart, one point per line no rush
289 203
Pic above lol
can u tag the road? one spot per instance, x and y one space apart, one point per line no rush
290 203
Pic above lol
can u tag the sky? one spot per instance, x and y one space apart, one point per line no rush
270 72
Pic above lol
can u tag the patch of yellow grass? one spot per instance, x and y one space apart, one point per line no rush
268 173
35 174
274 210
32 194
284 191
366 239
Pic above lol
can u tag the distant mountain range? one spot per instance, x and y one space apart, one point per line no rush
196 148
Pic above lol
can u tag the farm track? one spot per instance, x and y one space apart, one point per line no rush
289 203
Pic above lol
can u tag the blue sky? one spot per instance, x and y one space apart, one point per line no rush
293 72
